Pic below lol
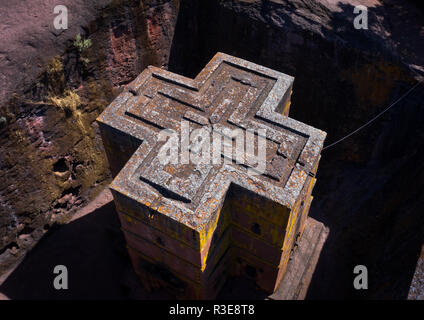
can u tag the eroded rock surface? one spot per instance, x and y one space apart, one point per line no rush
369 195
52 160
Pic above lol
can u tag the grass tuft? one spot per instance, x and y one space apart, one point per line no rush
69 103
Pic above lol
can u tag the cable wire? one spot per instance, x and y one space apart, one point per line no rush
376 117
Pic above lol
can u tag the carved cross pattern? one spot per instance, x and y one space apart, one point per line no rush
228 93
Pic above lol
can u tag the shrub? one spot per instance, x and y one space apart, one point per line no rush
81 44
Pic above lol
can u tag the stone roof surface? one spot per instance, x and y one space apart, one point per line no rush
228 93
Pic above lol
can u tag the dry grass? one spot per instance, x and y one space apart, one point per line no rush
69 103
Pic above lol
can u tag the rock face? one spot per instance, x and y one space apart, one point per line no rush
369 194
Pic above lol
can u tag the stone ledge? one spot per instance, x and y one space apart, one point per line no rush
302 262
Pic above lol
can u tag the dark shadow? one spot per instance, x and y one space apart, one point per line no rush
369 186
93 249
372 207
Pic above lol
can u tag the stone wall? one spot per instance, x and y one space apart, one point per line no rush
52 159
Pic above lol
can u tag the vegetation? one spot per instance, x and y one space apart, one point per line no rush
69 103
81 44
